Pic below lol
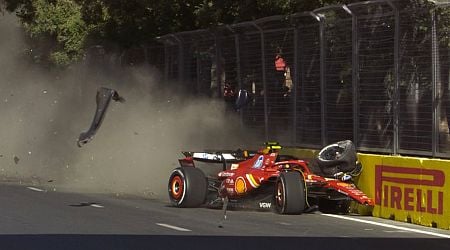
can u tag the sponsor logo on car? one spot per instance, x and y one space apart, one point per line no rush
410 189
259 162
229 181
240 186
265 205
344 184
226 174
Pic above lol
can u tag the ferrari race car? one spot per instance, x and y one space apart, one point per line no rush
267 179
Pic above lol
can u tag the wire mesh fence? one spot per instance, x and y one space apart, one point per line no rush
307 95
375 72
375 35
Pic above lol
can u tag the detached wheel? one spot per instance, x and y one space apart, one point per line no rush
187 187
337 157
290 196
347 154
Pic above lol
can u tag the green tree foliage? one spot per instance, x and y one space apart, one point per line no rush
62 21
65 27
55 27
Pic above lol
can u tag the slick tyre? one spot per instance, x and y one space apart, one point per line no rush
290 196
187 187
327 156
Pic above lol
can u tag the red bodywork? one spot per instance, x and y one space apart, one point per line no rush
248 175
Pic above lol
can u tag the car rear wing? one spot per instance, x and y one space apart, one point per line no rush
223 157
220 156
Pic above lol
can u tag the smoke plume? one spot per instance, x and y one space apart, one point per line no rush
43 112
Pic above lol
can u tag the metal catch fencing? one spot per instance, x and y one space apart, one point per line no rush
375 72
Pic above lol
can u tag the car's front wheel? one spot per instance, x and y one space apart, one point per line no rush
290 196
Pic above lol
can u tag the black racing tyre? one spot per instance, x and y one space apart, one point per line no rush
290 195
337 157
347 154
187 187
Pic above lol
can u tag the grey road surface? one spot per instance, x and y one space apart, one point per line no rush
35 214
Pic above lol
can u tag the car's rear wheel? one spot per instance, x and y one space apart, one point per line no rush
187 187
290 196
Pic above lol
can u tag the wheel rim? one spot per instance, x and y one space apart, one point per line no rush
176 187
279 198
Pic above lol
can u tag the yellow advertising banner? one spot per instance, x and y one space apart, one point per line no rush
408 189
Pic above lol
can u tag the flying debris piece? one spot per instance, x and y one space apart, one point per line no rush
103 98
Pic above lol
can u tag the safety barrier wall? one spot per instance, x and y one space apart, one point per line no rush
408 189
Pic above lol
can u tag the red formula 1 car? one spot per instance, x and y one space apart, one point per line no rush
267 179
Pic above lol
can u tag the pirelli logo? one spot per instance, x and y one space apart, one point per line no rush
410 189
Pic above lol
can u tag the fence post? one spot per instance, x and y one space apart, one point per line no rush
263 62
323 98
396 101
435 83
198 69
355 75
166 63
294 89
237 49
180 58
219 69
299 74
238 57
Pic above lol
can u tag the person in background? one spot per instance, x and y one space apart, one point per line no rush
280 69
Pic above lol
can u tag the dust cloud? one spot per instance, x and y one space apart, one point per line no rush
43 112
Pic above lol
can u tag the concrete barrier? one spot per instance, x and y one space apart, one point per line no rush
408 189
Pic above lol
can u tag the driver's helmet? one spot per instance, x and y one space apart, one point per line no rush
271 147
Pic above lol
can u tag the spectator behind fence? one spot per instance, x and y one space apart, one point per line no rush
280 69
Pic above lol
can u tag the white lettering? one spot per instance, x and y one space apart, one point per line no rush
265 204
225 174
229 181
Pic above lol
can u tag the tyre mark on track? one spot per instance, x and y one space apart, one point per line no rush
173 227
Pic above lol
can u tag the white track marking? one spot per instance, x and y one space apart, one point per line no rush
97 206
389 226
173 227
35 189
